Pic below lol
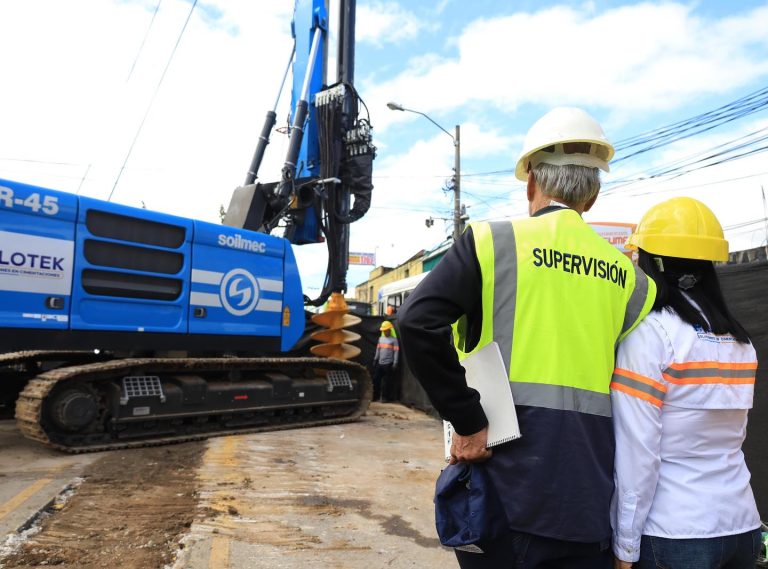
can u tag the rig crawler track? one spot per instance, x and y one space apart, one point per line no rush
16 368
193 398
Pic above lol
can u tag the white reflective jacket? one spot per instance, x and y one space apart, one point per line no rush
680 398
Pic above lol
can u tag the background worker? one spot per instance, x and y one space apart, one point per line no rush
385 363
556 297
683 383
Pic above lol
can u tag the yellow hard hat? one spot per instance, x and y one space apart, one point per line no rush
386 325
680 227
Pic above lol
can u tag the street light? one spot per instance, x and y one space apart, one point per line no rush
457 166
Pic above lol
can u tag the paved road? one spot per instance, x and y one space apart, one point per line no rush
348 497
31 476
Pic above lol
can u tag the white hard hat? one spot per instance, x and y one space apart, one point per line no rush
565 135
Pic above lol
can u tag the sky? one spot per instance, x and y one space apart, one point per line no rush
152 104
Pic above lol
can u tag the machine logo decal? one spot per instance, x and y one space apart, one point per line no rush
239 292
31 263
240 242
236 291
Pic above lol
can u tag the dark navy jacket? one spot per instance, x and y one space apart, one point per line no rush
557 480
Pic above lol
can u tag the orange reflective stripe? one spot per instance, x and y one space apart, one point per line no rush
639 386
701 373
709 380
719 365
641 378
636 393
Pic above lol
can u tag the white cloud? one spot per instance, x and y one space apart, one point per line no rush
69 99
387 22
440 6
626 60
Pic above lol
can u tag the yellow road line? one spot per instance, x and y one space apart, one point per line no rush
23 496
219 558
221 463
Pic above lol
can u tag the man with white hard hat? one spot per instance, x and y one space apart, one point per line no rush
557 298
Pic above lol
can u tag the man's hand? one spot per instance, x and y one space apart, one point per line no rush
470 448
619 564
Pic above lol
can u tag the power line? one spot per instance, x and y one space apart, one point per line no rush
698 124
143 41
765 211
151 102
507 171
49 162
463 175
658 179
660 169
743 224
611 191
703 117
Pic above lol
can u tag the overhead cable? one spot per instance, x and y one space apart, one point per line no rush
662 136
151 102
143 41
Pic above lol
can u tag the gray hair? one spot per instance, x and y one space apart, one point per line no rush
570 183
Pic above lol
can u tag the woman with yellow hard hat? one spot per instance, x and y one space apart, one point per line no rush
680 393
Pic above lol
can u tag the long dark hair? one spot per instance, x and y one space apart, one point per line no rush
700 276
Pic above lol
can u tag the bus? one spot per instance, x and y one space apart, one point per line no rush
392 295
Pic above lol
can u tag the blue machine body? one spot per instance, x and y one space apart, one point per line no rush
70 263
73 264
122 327
310 18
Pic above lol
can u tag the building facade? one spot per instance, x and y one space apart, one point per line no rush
421 262
368 291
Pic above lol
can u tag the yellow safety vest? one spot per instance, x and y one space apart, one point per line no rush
557 298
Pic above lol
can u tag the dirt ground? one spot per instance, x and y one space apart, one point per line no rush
343 496
129 511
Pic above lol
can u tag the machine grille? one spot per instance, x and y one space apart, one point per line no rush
339 378
141 386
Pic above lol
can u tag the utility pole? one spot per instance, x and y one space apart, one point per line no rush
765 214
457 221
457 186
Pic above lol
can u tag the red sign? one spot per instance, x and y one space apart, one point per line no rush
362 259
616 234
